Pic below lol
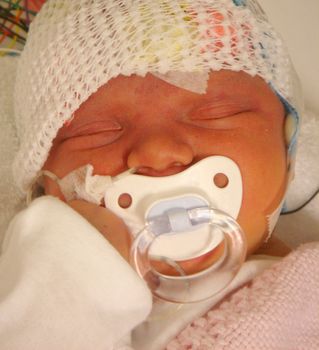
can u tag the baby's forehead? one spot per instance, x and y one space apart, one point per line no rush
139 91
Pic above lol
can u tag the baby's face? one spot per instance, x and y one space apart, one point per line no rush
161 130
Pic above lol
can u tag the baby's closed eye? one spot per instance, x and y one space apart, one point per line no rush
93 134
218 114
94 127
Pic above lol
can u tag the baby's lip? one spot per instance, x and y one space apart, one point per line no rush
191 266
147 171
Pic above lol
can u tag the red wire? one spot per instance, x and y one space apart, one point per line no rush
5 34
34 5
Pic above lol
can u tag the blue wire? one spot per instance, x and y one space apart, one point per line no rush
239 2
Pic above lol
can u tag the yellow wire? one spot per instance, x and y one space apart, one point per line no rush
13 41
10 46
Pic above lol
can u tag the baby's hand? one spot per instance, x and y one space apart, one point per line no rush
107 223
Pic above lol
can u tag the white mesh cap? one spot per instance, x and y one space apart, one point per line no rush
76 46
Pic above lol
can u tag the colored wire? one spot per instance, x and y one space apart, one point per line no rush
14 22
15 14
8 15
9 29
15 5
6 50
19 7
16 17
38 4
26 6
13 34
14 41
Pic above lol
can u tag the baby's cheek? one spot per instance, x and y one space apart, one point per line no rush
109 160
254 225
106 160
264 185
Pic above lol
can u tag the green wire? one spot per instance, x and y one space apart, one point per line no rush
8 15
17 6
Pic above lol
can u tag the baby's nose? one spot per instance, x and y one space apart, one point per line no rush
160 154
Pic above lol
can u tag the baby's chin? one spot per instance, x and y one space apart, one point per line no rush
191 266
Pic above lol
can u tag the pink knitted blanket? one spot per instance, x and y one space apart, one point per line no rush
278 310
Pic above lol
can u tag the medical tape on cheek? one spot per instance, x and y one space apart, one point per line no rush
82 184
78 184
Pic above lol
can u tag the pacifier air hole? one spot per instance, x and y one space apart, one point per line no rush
221 180
125 200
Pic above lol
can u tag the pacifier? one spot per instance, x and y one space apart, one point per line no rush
187 245
180 220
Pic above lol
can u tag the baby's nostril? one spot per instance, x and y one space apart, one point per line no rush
221 180
102 204
125 200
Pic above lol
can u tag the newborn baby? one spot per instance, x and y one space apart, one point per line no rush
151 91
160 130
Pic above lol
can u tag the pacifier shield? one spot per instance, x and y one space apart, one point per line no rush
202 179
